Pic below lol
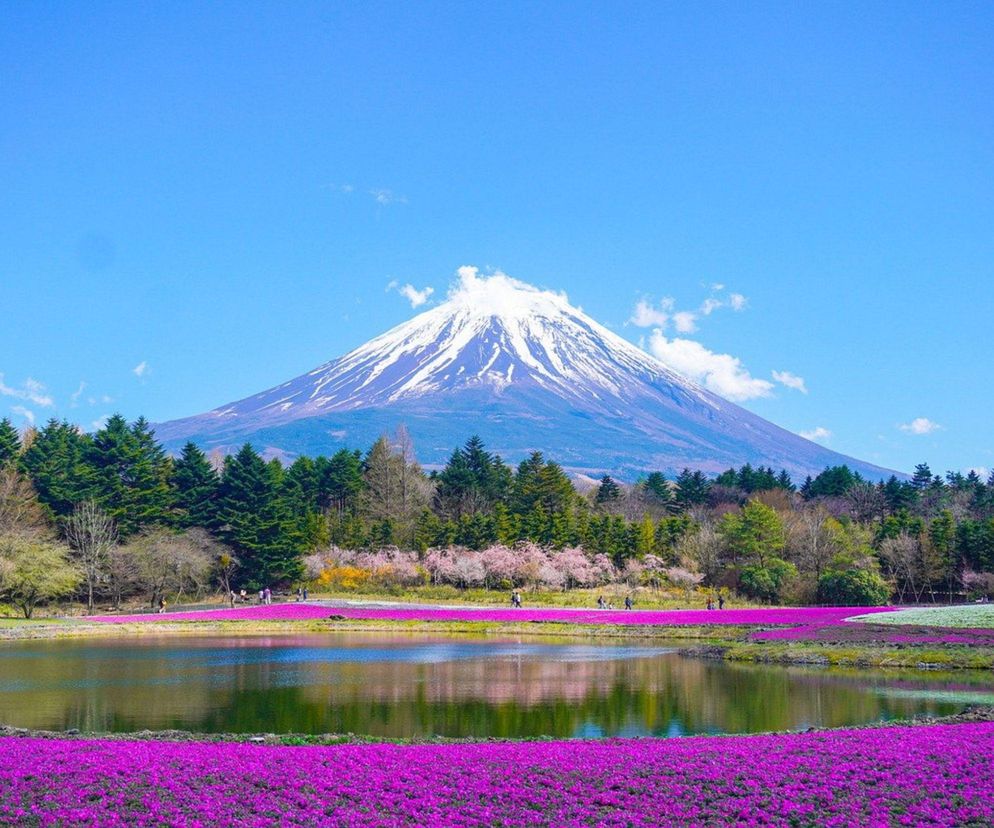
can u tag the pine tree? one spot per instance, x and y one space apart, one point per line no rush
255 520
608 492
342 482
692 489
56 464
131 474
195 484
922 478
10 442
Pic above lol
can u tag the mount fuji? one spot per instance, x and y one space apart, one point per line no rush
523 369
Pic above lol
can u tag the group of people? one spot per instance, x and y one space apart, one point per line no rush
602 604
721 602
515 599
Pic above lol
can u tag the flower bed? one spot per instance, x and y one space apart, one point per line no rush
936 775
306 611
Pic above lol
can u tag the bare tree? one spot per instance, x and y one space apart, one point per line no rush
701 551
171 564
810 544
20 510
92 534
910 561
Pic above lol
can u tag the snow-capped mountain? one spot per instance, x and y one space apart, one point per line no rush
525 370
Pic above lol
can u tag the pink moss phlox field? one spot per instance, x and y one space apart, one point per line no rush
936 775
305 611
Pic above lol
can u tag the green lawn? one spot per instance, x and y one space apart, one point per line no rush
978 616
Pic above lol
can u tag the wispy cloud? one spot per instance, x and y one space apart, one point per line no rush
819 433
26 413
385 197
919 426
416 297
31 391
722 373
141 370
647 315
786 378
710 305
74 397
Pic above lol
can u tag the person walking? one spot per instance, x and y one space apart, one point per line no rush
721 601
305 593
628 602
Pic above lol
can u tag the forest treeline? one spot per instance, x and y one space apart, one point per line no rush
110 514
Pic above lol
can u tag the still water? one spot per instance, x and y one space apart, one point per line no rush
407 686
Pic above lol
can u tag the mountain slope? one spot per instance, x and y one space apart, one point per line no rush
525 370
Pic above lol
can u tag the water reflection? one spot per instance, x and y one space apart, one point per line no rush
405 686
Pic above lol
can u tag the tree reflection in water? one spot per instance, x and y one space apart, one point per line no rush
409 686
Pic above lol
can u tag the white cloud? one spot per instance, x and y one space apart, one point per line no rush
723 374
717 287
99 423
384 197
416 297
737 301
346 188
27 414
647 315
982 471
31 391
710 305
920 425
685 321
141 369
790 381
817 433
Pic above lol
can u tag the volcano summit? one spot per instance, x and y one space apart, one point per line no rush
525 370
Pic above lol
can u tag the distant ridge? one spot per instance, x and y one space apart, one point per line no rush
526 371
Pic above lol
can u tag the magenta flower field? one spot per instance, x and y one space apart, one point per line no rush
306 611
940 775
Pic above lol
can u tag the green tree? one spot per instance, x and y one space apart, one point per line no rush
34 571
131 474
692 489
608 492
754 534
254 519
56 463
195 484
10 443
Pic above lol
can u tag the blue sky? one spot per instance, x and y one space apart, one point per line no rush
199 202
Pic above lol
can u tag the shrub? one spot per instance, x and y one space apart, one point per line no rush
766 581
852 588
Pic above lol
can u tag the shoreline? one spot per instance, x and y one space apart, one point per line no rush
970 714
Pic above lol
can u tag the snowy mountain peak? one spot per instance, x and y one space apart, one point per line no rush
491 332
524 369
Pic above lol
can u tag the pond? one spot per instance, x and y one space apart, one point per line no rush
403 686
